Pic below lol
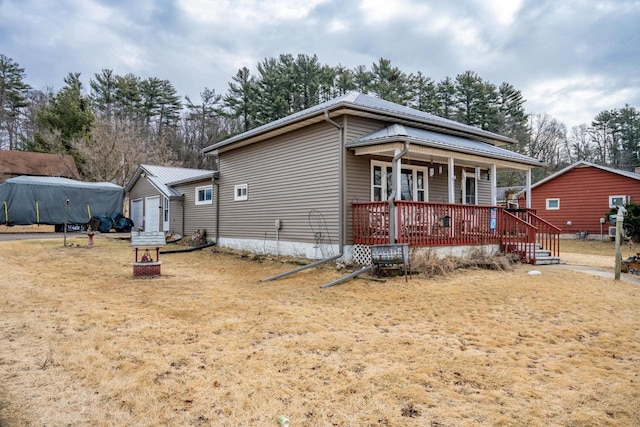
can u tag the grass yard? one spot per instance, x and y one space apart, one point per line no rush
207 344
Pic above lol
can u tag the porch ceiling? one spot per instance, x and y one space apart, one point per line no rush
439 156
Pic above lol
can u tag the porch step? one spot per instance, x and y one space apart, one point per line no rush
543 256
548 260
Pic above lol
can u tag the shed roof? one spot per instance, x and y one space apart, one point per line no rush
627 174
439 140
359 103
165 177
14 163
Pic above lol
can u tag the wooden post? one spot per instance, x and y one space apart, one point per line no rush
619 221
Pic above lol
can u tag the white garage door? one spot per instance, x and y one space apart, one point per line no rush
136 213
152 213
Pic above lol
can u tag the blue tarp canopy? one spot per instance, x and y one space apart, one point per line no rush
30 200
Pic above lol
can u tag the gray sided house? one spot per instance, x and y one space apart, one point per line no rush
171 199
373 171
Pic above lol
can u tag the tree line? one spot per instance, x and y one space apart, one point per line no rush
119 121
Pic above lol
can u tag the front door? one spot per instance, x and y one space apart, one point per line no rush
152 213
470 191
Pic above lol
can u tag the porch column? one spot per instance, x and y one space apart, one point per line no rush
494 180
452 181
528 188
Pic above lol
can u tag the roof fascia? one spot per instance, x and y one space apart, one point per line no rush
421 143
345 107
134 178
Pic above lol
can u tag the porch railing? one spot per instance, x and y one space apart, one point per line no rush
424 223
518 236
547 235
443 224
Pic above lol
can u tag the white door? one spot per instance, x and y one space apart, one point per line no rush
152 213
136 213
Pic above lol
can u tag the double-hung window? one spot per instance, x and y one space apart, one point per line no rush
204 195
412 186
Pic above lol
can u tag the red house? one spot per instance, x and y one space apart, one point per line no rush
578 197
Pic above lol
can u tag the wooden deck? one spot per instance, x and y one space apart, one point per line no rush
428 224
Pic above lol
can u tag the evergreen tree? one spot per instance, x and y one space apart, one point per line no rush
389 83
103 93
446 91
425 97
13 101
362 79
64 120
241 98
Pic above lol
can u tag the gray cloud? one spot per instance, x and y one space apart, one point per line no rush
571 59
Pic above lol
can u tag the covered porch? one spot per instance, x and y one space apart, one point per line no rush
429 189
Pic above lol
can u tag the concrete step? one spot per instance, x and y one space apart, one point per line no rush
548 260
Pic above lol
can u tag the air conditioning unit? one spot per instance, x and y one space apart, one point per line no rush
612 232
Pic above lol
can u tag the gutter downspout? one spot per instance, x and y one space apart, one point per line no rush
216 184
182 201
394 192
340 208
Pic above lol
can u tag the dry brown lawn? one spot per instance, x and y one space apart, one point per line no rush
83 343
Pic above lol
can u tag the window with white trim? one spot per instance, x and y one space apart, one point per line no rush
204 195
615 201
240 192
413 182
553 204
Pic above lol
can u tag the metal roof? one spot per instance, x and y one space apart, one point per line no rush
368 104
439 140
165 177
627 174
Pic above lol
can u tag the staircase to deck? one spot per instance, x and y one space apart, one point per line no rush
535 240
532 253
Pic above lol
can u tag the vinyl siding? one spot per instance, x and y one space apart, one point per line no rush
484 189
197 217
584 198
287 177
175 217
358 169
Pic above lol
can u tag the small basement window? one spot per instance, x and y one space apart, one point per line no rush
241 192
553 204
615 201
204 195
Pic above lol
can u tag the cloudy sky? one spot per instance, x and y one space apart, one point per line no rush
570 58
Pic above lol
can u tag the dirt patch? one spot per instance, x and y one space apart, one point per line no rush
83 343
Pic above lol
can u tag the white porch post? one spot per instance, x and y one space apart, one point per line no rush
528 188
452 181
494 183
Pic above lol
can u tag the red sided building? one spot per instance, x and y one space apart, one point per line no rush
577 197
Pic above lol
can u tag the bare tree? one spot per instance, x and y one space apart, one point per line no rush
114 151
579 144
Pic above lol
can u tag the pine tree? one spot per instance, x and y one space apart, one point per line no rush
13 100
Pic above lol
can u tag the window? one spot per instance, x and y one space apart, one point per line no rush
617 201
204 195
165 209
553 204
241 192
413 182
